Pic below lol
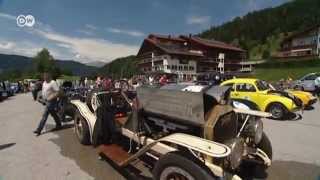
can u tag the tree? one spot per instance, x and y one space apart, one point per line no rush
266 54
44 62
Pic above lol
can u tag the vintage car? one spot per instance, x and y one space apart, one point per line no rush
3 93
307 98
189 131
260 97
307 82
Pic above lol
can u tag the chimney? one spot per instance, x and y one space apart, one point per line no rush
190 35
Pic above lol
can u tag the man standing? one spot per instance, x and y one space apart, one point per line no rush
50 91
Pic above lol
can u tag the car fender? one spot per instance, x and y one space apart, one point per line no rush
286 102
86 114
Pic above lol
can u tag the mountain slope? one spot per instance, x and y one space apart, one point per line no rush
96 64
16 62
123 67
261 31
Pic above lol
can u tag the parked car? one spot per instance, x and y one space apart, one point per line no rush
3 92
14 87
306 97
261 97
307 82
188 135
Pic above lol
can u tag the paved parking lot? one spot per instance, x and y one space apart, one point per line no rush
58 155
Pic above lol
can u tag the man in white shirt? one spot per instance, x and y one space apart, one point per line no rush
50 91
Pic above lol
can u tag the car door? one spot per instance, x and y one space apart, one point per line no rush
308 82
246 91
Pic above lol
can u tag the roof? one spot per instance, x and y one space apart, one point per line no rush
297 34
173 48
167 37
241 80
178 44
213 43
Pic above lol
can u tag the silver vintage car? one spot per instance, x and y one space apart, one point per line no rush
307 82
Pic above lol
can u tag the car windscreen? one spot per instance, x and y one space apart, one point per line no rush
262 86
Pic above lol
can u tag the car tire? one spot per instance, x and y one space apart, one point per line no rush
277 110
88 100
178 165
81 129
265 145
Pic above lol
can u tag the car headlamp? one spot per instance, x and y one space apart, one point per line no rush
254 130
258 127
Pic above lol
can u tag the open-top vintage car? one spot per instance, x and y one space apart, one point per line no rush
190 132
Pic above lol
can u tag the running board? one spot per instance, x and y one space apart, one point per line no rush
114 152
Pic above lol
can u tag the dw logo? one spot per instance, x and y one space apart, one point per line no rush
28 20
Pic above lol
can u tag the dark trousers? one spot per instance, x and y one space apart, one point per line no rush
50 108
34 94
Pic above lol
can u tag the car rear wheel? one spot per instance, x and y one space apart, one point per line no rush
277 110
180 166
81 129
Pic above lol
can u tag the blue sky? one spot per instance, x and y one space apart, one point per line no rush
91 30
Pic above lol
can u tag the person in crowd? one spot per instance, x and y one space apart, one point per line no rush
98 82
81 82
19 86
34 92
217 79
50 92
86 82
151 79
107 83
163 80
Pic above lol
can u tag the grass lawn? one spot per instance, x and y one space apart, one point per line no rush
276 71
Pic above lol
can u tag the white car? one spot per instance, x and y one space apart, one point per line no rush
307 82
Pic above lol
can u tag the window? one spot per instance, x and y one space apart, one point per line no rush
262 85
174 67
191 68
311 77
230 85
245 87
185 68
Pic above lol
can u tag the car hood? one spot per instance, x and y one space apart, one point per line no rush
289 95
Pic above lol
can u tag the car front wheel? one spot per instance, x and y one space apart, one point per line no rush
277 110
180 166
82 129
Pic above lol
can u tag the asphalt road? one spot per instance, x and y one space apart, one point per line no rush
59 156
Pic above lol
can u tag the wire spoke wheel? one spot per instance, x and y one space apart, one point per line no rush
175 173
79 127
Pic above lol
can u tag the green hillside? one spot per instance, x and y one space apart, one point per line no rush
274 71
124 67
22 63
260 32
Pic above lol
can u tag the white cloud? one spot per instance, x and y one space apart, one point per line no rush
89 49
67 47
91 27
198 20
7 16
88 33
23 48
6 45
126 32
